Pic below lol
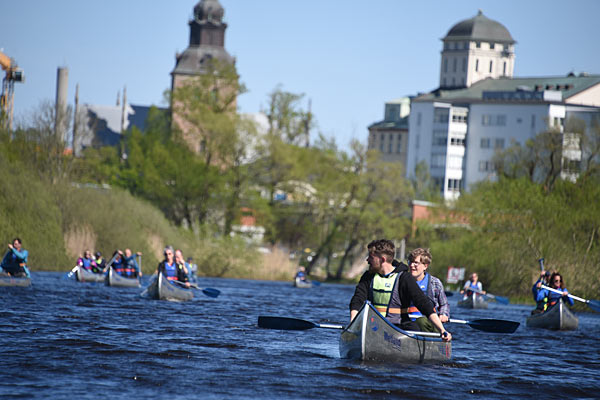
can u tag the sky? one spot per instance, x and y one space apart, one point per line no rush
347 56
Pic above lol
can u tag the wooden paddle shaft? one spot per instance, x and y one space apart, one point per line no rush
561 292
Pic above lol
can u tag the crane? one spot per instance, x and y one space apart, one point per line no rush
12 74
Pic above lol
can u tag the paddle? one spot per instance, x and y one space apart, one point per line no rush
486 325
448 293
210 292
499 299
593 304
294 324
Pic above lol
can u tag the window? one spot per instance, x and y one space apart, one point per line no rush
485 143
398 145
486 120
532 121
440 138
390 147
504 69
464 65
492 46
441 115
491 65
486 166
453 82
501 120
499 143
382 137
454 65
459 118
457 142
445 65
478 45
418 119
438 161
476 65
381 146
454 185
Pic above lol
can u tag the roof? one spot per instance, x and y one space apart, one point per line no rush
568 85
193 59
481 28
402 123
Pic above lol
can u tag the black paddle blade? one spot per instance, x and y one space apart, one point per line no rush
283 323
210 292
448 293
494 325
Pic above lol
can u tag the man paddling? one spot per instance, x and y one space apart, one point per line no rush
391 290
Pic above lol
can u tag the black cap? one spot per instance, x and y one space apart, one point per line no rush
98 254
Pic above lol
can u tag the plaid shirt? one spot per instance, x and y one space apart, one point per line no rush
439 297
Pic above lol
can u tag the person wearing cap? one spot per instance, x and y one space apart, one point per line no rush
100 263
14 262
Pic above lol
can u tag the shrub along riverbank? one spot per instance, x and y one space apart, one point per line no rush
57 222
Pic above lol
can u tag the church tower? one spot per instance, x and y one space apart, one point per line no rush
475 49
207 41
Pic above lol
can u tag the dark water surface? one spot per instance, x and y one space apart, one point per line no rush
61 339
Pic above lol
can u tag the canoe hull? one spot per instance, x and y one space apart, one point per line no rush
162 289
299 283
6 280
84 275
115 279
474 302
370 337
558 318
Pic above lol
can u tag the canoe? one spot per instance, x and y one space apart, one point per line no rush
299 283
83 275
6 280
161 289
473 301
558 317
371 337
115 279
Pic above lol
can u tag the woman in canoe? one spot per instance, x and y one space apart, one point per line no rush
14 262
550 298
473 285
170 269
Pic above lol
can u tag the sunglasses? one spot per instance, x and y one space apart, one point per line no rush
558 280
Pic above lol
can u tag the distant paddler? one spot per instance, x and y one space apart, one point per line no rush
14 262
473 285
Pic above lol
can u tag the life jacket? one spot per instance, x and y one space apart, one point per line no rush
425 286
170 271
119 266
86 263
129 267
381 291
551 299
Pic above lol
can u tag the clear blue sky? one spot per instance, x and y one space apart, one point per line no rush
347 56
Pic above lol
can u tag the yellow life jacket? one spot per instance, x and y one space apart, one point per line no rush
381 289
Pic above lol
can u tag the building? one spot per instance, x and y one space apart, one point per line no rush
207 42
390 136
480 108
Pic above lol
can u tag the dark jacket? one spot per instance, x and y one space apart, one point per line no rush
407 287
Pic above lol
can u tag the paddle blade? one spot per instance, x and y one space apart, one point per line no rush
210 292
316 283
502 300
448 293
283 323
594 305
494 325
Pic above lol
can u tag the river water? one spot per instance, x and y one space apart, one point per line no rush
60 339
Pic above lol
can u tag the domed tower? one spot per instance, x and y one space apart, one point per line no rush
476 49
207 41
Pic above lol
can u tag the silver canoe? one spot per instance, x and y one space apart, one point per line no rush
114 279
84 275
161 289
299 283
6 280
371 337
558 317
474 301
